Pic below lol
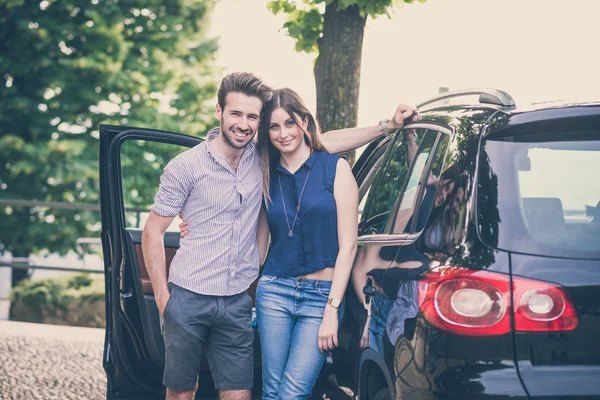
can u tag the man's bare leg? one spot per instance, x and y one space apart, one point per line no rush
234 394
181 395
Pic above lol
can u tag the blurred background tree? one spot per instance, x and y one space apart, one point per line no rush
65 67
334 30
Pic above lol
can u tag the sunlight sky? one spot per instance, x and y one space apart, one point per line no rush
537 50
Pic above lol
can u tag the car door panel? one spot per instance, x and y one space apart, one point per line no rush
134 349
171 246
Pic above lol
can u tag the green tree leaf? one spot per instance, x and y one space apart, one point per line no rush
68 66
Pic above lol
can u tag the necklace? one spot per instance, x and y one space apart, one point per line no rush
291 229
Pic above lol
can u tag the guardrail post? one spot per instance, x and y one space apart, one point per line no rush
5 288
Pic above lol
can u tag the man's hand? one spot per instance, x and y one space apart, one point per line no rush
403 113
161 302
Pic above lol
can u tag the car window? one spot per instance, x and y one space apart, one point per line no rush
142 164
366 180
548 195
388 183
421 188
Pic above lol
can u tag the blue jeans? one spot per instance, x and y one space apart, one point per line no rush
289 312
380 309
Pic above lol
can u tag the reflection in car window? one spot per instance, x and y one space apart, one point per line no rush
388 183
142 164
404 213
365 181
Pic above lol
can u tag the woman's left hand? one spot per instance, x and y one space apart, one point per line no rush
328 339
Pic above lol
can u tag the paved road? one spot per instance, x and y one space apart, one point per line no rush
50 362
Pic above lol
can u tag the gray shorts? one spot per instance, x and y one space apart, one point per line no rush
219 325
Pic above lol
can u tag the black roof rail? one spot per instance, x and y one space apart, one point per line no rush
487 96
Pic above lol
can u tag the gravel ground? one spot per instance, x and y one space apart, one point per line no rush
50 362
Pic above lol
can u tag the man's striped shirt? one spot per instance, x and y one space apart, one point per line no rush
220 255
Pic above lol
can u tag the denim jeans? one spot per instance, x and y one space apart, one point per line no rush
289 312
380 309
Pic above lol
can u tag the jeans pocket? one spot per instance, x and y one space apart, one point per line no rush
171 294
266 279
324 289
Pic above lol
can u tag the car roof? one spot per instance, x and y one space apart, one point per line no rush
497 117
554 116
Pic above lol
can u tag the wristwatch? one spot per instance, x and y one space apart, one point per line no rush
384 127
335 303
412 139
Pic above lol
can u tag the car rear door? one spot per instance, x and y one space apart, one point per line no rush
392 201
131 163
549 222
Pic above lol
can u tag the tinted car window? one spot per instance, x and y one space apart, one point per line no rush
421 188
389 182
548 195
366 177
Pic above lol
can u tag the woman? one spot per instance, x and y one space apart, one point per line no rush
310 213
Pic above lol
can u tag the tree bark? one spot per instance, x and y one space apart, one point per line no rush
337 69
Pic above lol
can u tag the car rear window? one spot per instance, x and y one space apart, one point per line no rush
547 199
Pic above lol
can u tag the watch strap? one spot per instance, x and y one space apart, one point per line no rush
383 124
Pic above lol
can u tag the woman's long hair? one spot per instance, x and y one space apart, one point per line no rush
291 102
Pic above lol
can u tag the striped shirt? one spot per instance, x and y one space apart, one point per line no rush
219 256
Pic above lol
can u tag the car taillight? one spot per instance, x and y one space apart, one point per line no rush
542 307
478 303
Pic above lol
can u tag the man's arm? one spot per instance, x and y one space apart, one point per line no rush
153 248
263 236
343 140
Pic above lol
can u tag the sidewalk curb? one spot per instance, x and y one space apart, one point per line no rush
69 333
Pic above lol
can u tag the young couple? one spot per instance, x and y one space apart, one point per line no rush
234 194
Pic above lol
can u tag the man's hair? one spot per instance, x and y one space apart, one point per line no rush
246 83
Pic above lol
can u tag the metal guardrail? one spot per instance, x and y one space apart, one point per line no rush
18 265
69 206
63 206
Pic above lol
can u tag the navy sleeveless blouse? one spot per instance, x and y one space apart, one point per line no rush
314 244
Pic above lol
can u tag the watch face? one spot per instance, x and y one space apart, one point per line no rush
334 302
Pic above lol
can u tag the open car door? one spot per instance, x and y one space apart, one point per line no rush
131 163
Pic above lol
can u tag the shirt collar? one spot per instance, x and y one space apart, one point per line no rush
309 163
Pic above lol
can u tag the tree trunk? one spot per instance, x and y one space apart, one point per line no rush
337 69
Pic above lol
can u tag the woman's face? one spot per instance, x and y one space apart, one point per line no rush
457 200
284 133
446 187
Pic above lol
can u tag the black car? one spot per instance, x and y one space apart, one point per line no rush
479 254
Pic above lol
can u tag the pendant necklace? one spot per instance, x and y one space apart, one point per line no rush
291 229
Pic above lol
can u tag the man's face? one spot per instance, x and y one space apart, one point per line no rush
239 119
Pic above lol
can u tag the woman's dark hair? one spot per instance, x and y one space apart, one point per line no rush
451 173
246 83
291 102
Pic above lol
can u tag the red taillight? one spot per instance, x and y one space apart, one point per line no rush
478 303
542 307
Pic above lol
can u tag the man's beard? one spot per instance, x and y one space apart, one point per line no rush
225 132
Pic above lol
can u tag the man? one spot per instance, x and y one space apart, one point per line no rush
217 186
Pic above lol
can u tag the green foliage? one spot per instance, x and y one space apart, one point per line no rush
66 300
305 19
68 66
79 281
